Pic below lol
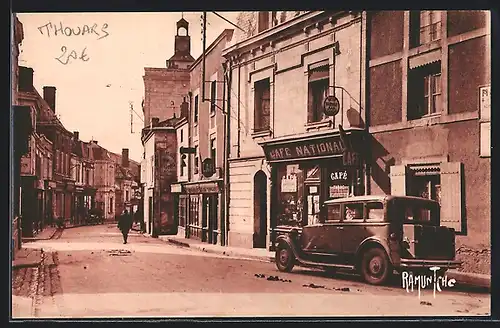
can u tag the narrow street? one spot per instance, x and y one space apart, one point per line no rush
89 272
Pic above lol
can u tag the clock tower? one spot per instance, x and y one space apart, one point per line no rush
182 48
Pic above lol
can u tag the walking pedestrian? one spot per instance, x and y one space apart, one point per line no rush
125 224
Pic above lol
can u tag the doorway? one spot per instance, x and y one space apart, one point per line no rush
210 217
150 215
260 210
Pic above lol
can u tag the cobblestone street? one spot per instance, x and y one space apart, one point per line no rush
88 272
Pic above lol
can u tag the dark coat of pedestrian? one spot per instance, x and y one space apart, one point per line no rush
125 224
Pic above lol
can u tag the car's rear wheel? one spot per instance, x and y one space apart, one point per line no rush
375 266
285 260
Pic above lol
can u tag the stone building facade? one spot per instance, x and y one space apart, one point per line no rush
201 197
428 82
281 72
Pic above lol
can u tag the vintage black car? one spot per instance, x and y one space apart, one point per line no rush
373 235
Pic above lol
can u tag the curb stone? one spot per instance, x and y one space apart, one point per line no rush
202 248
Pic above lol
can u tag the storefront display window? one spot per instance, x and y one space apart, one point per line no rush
290 195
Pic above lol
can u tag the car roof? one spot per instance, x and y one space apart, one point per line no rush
379 198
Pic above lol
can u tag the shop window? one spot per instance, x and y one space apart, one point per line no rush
424 91
353 212
263 23
333 213
290 196
262 105
195 109
425 27
194 210
317 91
375 212
182 210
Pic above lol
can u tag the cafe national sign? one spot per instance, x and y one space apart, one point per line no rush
307 148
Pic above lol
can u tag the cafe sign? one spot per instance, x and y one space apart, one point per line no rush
312 148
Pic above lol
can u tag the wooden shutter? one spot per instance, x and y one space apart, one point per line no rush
398 180
451 195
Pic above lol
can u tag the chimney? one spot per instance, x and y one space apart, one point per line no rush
184 108
125 157
155 121
25 79
49 95
76 134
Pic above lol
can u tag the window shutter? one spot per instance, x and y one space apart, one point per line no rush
451 195
398 180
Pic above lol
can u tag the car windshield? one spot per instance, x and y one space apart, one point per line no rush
421 212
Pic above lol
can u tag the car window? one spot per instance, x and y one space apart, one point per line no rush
375 212
333 213
353 212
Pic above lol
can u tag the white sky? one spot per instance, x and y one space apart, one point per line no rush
135 40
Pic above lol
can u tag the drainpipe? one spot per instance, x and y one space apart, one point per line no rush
203 54
227 148
239 111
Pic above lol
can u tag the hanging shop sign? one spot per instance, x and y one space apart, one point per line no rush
331 106
208 167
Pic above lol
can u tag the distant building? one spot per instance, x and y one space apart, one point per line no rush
159 172
104 181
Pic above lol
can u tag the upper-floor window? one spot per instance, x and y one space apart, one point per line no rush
182 135
213 148
424 90
274 18
319 82
425 27
213 95
262 105
196 161
263 23
195 109
126 195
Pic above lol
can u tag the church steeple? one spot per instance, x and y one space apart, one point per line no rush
182 48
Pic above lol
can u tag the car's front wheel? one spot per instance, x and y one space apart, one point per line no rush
285 260
375 266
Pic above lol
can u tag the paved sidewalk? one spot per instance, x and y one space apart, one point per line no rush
27 257
470 279
45 234
260 254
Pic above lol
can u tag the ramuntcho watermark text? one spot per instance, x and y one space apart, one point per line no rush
411 281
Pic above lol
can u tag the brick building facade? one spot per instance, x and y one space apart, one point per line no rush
428 72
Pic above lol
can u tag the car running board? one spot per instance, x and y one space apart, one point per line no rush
322 264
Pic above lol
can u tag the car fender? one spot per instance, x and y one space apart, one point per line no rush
375 240
289 241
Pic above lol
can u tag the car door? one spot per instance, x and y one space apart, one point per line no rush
324 237
354 229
